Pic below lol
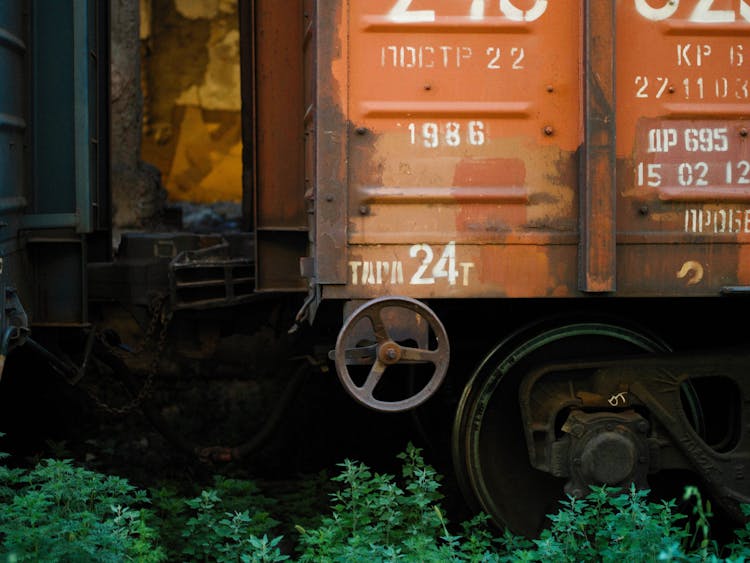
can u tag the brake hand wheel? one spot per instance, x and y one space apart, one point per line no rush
386 353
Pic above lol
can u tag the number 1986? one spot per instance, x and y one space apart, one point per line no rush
452 133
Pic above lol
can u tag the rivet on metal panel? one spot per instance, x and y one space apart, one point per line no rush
364 209
743 132
548 130
671 89
643 210
550 89
428 86
329 197
361 130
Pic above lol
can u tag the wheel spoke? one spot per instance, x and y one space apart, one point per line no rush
420 355
376 372
378 326
363 355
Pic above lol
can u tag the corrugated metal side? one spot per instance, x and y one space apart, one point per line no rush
68 58
13 116
462 125
55 91
683 156
528 148
54 144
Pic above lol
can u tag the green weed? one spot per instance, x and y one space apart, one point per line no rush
376 518
57 511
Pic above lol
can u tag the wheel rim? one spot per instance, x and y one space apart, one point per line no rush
387 353
489 449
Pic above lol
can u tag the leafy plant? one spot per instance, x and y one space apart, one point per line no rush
217 524
377 519
614 526
59 512
739 548
606 526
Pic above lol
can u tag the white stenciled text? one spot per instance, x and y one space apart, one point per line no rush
732 173
451 57
725 220
693 88
402 11
427 266
700 11
691 139
452 133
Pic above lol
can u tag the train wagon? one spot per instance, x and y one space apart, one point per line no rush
528 218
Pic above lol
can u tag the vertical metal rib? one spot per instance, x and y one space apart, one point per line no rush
597 190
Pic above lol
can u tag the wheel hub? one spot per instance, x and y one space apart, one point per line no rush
368 340
389 353
605 449
608 458
513 460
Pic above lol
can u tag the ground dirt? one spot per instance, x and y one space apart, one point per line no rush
43 416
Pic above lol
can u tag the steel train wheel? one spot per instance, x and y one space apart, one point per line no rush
490 456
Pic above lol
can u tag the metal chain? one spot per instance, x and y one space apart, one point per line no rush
162 315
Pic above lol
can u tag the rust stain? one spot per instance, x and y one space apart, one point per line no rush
490 172
478 217
526 272
743 265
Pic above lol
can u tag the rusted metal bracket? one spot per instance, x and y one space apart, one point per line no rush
216 276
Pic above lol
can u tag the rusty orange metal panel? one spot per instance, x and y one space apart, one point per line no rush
528 148
683 161
460 148
275 96
278 114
